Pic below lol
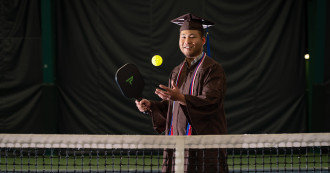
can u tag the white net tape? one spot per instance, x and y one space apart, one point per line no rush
152 141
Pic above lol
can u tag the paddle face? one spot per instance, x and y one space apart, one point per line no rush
130 81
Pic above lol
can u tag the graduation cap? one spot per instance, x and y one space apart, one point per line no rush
192 22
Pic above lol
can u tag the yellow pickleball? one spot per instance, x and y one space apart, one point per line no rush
157 60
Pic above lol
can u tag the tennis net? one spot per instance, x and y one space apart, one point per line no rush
304 152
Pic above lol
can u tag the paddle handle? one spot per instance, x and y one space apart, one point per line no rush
145 112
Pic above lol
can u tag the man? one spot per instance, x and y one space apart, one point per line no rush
192 104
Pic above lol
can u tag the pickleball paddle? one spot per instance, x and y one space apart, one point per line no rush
130 81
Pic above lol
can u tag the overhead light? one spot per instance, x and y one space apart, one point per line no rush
306 56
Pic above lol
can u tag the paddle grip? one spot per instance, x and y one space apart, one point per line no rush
145 112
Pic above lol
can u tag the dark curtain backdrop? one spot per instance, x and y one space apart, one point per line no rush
20 67
261 45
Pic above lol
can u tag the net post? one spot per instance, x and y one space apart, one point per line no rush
179 154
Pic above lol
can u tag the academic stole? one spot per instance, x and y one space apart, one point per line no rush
191 87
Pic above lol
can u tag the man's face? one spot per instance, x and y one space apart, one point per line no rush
191 43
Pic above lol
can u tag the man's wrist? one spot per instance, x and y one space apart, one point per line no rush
182 100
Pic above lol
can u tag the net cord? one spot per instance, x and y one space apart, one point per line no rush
157 141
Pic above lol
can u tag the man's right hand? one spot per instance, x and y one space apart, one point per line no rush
143 105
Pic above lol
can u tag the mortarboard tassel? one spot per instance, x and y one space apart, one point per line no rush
208 51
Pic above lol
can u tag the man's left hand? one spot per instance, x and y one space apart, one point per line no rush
173 93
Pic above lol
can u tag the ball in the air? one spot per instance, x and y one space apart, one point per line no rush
157 60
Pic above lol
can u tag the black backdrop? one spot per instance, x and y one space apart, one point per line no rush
261 45
20 67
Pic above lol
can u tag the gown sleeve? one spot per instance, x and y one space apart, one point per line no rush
159 110
158 114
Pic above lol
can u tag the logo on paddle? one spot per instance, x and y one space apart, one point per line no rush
130 80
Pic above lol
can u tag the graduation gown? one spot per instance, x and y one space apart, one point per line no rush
204 111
